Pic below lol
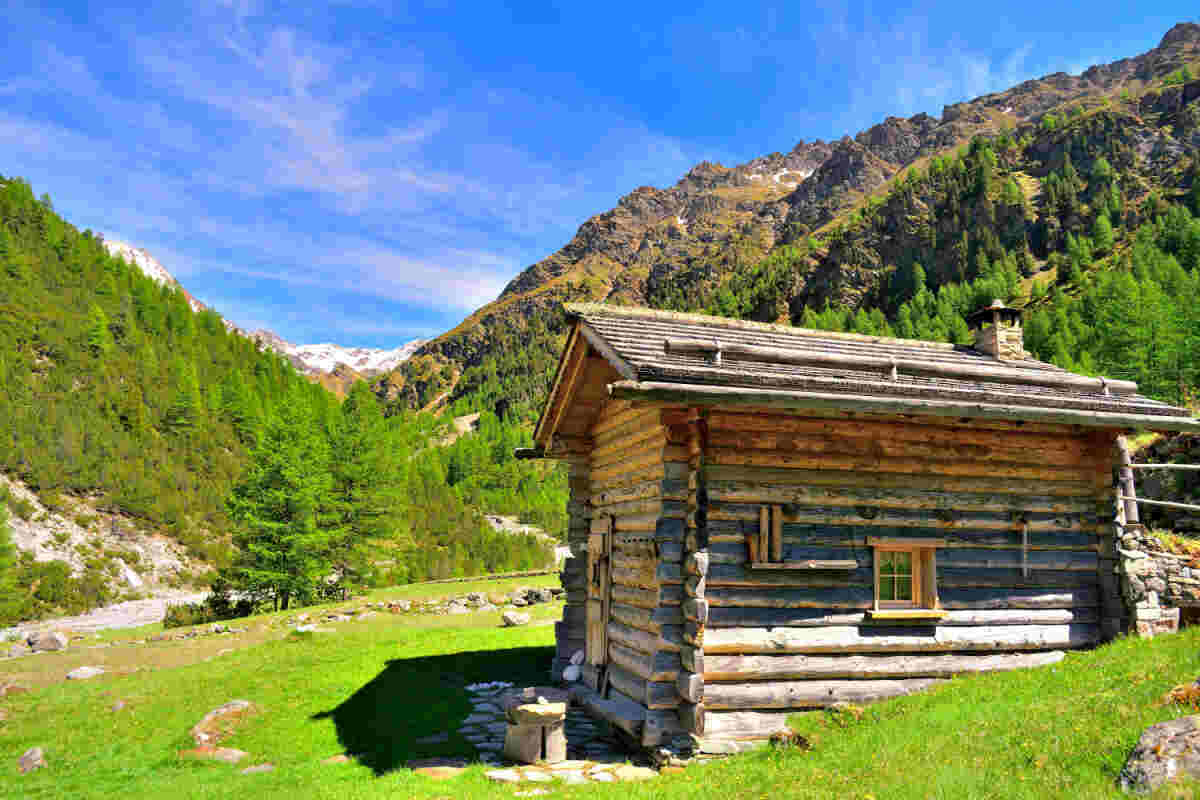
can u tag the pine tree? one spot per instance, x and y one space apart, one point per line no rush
280 506
11 600
1102 234
366 475
99 337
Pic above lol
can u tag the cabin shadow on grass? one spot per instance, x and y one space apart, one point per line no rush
415 698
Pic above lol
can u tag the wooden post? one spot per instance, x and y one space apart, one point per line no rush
690 681
776 533
1128 487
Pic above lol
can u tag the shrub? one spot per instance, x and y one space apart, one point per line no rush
22 507
219 605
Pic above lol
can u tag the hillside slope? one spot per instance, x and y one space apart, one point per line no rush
821 225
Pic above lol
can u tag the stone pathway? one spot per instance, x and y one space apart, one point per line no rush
595 756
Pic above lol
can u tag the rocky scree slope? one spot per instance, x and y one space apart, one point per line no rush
718 227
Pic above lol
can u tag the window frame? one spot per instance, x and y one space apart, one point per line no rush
925 603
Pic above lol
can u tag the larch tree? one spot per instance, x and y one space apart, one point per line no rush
280 508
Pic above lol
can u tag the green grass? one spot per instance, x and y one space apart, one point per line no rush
377 686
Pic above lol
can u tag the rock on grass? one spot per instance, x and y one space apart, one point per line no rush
219 723
31 759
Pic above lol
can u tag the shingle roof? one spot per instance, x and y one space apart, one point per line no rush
650 347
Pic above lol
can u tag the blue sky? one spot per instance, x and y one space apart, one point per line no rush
367 173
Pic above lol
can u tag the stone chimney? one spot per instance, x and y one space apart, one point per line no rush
997 330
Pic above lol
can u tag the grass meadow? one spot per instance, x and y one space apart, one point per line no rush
374 687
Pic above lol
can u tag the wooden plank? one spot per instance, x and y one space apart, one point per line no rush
638 430
939 516
744 725
649 505
811 564
807 694
1012 559
1019 598
804 667
617 480
1013 578
1002 454
657 666
827 597
635 596
642 640
732 549
776 533
641 491
803 494
1078 490
618 711
738 575
898 639
895 465
635 617
615 415
636 463
897 430
815 618
807 401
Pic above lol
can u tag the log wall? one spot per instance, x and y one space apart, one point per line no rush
1021 513
570 632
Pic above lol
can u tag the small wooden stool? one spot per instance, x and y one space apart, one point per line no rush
536 733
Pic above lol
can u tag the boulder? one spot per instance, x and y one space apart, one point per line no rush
577 657
543 595
1166 751
31 759
457 608
513 619
209 753
219 723
258 769
47 641
83 673
572 673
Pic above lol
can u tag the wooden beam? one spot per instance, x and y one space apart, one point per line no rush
697 394
899 639
743 669
807 694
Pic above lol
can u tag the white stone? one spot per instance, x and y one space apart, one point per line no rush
572 673
577 658
513 619
83 673
503 776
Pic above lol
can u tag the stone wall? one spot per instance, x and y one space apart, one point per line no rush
1155 584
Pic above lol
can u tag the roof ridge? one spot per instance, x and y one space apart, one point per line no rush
583 309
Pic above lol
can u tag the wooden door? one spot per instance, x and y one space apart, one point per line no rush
599 594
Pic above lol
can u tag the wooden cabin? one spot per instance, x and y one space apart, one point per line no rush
766 518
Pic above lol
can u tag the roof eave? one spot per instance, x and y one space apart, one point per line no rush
701 395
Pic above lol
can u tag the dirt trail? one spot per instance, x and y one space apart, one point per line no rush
130 614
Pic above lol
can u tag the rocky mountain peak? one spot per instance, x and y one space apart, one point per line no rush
1181 33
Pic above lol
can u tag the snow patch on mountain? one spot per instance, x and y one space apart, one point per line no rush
367 360
150 267
324 358
314 359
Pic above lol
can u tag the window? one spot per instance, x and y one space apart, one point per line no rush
906 578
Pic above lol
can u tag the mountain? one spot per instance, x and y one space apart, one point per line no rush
324 358
334 366
149 265
842 224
